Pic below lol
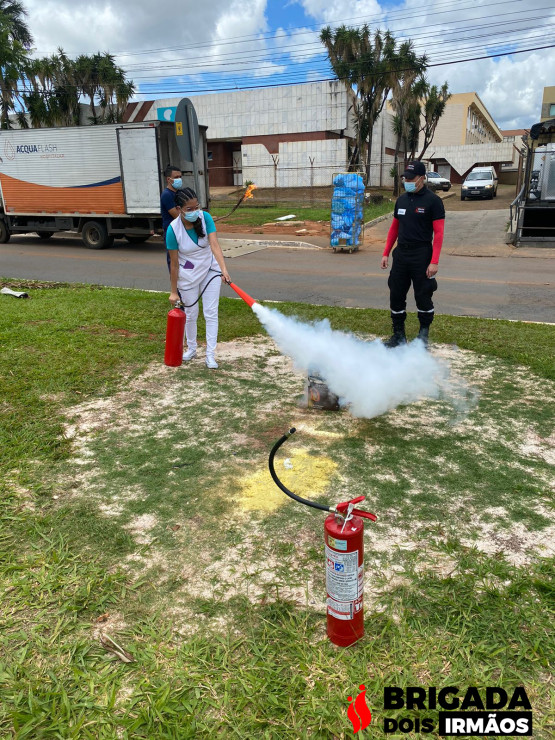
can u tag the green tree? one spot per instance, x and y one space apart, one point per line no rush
407 86
54 86
433 102
14 13
104 83
15 40
370 64
51 95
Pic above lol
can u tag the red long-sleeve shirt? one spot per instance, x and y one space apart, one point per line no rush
438 227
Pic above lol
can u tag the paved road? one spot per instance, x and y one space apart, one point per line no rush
499 287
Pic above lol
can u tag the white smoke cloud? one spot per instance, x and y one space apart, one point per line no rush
366 375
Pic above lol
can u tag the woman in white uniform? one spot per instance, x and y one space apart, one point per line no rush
195 258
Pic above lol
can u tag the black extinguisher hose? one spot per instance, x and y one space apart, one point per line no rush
189 305
278 483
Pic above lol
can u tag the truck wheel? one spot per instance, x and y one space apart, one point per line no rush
462 197
45 234
4 232
134 239
95 235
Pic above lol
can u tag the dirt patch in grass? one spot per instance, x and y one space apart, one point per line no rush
178 459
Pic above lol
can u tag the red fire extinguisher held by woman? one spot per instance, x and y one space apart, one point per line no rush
175 329
344 546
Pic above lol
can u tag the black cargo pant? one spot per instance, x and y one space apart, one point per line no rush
409 266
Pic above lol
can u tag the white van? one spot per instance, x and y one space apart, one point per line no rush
481 182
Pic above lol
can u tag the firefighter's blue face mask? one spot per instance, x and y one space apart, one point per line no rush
412 185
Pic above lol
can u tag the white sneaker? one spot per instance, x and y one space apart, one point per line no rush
211 363
189 355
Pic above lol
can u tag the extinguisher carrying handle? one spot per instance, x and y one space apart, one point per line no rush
342 508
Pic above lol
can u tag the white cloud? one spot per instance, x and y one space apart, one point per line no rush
119 26
338 11
510 87
269 69
300 45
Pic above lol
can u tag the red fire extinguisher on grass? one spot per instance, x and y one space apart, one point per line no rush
175 329
344 545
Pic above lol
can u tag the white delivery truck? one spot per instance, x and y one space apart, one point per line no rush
100 181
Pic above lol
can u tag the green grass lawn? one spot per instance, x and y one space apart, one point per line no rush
255 215
123 511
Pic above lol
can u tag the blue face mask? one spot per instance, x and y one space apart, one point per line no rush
192 216
410 187
177 183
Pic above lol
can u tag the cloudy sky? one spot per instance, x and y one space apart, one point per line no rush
186 47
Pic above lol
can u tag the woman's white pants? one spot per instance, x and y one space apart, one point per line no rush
210 299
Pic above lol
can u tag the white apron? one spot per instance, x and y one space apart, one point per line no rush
195 260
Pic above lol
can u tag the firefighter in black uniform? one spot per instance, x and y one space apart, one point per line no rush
418 219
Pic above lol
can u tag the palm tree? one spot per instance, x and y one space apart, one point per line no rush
54 85
406 90
15 40
370 64
13 13
99 78
434 101
51 96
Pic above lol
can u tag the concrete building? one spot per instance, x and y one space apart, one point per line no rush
509 173
287 136
466 120
548 104
467 137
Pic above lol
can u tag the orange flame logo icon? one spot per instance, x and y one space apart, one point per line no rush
358 713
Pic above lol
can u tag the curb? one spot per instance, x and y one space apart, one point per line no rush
272 243
298 245
379 219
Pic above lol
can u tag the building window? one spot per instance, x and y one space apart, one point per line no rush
209 155
552 109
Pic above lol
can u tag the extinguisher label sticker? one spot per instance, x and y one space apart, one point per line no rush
340 609
342 582
337 544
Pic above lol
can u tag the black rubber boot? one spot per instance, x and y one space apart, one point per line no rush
398 337
423 334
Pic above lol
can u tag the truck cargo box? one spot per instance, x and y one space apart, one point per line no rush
65 178
71 171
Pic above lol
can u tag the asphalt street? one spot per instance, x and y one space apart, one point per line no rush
514 287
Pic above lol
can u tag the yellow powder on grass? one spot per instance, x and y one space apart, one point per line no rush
304 474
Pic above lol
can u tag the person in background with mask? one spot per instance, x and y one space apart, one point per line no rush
196 263
419 218
167 199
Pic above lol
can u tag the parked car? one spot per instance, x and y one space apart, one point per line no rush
436 182
481 182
